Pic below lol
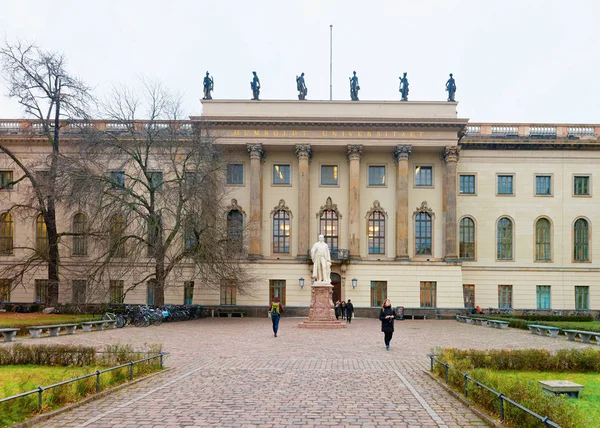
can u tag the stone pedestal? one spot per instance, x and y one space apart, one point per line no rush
321 313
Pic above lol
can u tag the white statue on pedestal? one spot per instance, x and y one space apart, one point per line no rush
319 253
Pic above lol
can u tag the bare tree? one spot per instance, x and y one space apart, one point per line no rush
40 83
155 193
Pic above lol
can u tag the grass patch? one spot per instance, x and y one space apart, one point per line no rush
22 321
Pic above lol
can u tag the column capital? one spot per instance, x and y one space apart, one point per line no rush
451 154
402 151
354 151
303 151
256 151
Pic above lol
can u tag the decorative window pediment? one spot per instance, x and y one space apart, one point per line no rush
376 208
235 207
281 206
424 209
329 206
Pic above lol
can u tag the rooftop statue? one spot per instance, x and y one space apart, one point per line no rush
354 88
403 87
209 85
301 86
319 253
451 88
255 85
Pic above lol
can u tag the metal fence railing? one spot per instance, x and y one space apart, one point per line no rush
40 390
501 397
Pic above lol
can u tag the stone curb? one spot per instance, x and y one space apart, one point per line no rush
483 415
45 416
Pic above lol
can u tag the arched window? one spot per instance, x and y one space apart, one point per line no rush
504 240
79 235
376 232
7 230
543 240
329 216
423 234
117 229
281 232
467 239
41 235
235 231
581 241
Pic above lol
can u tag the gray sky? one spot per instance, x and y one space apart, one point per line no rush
514 61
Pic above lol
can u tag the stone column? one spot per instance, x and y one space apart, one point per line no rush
255 182
354 153
401 155
450 155
303 152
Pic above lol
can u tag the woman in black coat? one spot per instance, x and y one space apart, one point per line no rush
387 322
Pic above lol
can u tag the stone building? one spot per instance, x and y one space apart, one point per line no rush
417 205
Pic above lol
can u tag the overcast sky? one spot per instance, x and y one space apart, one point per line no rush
513 61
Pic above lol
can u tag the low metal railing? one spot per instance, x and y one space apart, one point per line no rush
40 389
501 397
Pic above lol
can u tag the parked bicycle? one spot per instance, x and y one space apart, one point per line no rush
111 316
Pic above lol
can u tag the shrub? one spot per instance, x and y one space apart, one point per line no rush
48 355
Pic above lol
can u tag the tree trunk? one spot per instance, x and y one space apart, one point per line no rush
53 258
159 286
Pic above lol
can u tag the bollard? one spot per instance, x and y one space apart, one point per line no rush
161 360
501 407
131 370
447 366
466 383
40 390
97 380
431 363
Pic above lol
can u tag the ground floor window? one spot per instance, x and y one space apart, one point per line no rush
150 291
188 292
277 289
228 294
4 290
582 298
469 295
116 287
41 290
78 291
428 294
505 297
378 292
543 296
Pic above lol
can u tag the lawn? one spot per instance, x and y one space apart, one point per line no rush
589 398
15 379
17 320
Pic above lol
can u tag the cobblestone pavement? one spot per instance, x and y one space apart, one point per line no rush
233 372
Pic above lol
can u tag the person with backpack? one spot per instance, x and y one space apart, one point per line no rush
387 316
276 309
349 311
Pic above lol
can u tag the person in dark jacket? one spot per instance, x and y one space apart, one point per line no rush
387 322
343 309
276 309
349 311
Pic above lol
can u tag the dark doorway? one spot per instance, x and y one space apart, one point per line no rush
336 281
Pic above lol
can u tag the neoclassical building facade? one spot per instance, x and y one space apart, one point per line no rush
417 205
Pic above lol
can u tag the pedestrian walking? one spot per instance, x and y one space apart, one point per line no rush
337 310
349 311
276 309
343 310
387 322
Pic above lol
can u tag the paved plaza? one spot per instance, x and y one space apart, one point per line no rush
233 372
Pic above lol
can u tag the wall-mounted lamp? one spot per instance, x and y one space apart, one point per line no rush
354 282
301 282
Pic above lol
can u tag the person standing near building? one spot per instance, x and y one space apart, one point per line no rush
349 311
337 310
387 322
276 309
343 310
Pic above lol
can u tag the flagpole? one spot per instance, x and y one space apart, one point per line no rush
330 62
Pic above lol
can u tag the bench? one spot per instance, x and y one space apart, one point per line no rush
416 316
231 313
53 330
543 330
9 333
461 318
479 321
498 324
585 336
98 325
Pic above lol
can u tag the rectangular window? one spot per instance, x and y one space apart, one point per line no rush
281 175
228 294
6 180
4 290
78 291
424 176
581 185
117 180
378 292
469 295
505 184
41 290
543 296
329 175
467 184
582 298
505 297
377 175
428 294
116 288
156 180
188 292
235 173
277 289
150 291
543 185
